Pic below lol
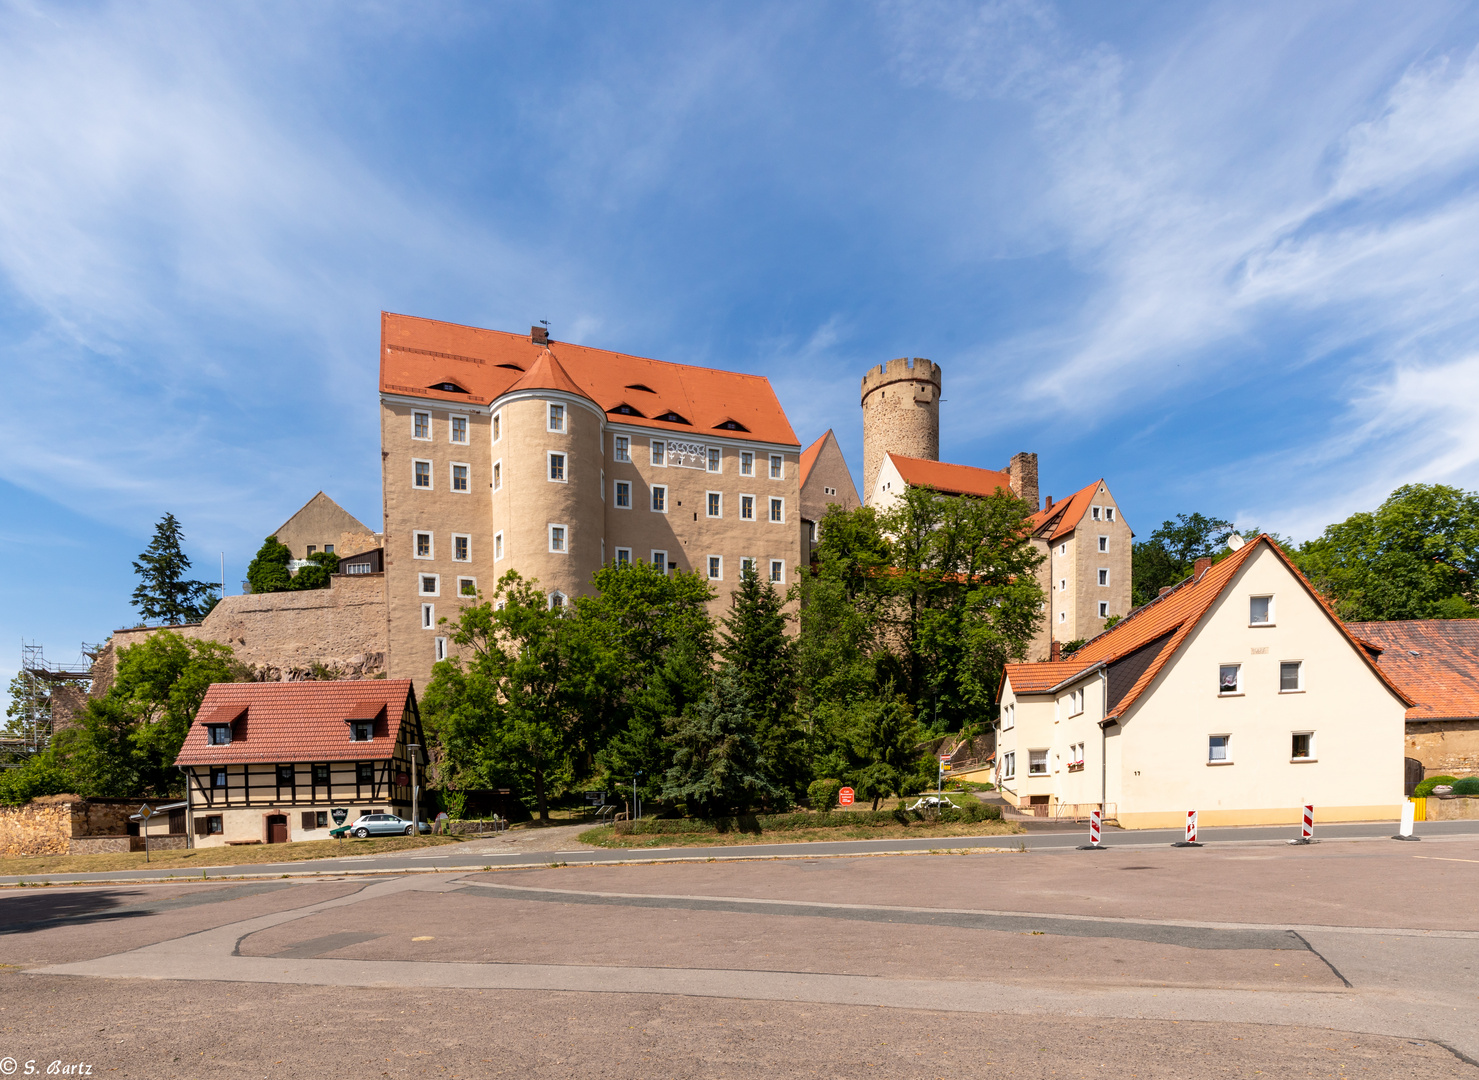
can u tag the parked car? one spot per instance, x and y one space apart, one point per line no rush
377 825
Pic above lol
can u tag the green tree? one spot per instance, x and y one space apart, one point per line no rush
1172 551
719 767
268 570
1414 557
24 689
321 564
164 595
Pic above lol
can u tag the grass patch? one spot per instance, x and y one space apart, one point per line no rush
604 836
201 858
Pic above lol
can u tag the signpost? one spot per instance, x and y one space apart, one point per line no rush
1409 814
944 768
145 812
844 797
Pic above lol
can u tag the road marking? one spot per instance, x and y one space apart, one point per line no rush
1439 858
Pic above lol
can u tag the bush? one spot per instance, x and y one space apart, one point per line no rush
1468 786
822 794
1424 789
969 813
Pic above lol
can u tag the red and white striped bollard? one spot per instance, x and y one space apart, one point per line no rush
1095 818
1307 829
1191 831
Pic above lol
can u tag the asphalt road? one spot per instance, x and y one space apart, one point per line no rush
1240 958
481 853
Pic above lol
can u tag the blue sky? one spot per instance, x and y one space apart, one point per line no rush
1222 255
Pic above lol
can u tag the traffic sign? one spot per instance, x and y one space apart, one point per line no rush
844 797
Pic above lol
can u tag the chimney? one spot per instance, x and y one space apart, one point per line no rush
1047 504
539 335
1022 474
1202 566
1055 651
1164 590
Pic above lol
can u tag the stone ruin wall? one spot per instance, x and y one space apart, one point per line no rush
1445 747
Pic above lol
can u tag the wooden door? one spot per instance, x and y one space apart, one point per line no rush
277 829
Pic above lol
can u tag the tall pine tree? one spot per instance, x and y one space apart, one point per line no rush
164 595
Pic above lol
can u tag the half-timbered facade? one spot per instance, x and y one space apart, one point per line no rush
270 762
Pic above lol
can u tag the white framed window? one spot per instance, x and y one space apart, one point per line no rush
623 495
1096 513
1075 702
461 547
425 547
1076 755
1009 717
421 474
1037 763
829 491
1291 677
748 565
1219 749
714 504
778 571
621 448
660 560
556 462
559 542
497 546
556 418
659 498
441 648
811 531
1063 548
1009 766
747 463
1103 575
421 426
460 477
1103 543
659 453
623 556
716 459
497 426
716 567
1062 616
457 429
747 508
1109 513
1103 609
777 467
1230 679
1302 746
428 616
1260 611
429 584
1063 584
467 586
777 511
557 601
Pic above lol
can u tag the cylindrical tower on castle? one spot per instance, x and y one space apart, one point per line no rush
901 414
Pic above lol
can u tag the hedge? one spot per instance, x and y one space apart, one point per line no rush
1468 786
1425 788
750 823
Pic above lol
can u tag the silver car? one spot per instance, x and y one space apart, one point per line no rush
383 825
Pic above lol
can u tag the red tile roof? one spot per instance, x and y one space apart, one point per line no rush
298 721
809 456
546 373
1436 661
1173 616
951 479
1065 515
417 354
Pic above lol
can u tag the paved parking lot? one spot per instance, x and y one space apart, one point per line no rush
1345 959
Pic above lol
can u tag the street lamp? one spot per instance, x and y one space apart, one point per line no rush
636 806
415 749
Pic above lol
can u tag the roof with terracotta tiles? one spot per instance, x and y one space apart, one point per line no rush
298 721
1436 661
810 454
1063 516
419 355
1041 677
951 479
547 373
1172 616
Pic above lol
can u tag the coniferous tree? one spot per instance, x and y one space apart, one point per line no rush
164 595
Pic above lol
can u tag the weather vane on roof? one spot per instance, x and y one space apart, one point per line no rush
545 323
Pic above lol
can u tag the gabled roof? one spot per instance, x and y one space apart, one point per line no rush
1064 516
346 523
809 456
417 354
950 479
298 722
1435 661
1172 617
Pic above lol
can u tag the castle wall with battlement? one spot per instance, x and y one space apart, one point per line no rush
901 413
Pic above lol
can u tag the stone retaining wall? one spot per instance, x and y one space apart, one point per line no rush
1452 809
43 827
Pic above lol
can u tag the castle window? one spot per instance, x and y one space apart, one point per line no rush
1109 513
557 468
716 568
450 388
1103 609
747 565
673 418
328 549
715 504
557 601
623 495
778 571
1103 543
660 560
458 431
421 425
424 547
778 511
497 426
422 474
312 548
556 417
777 467
461 547
659 498
1103 576
431 584
498 475
557 542
623 556
715 459
1095 513
659 453
441 648
623 449
459 477
747 463
747 507
497 546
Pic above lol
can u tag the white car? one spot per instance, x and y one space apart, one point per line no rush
378 825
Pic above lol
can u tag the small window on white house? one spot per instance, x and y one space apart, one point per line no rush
1103 576
421 473
622 449
424 547
1009 766
715 504
1037 763
1103 543
659 453
778 511
1302 746
1075 702
1078 755
1230 679
556 417
1291 676
421 425
623 556
1103 609
458 430
557 542
557 468
428 616
777 467
747 508
659 498
716 568
461 548
747 463
1260 611
430 584
623 495
778 571
1009 717
497 546
1219 749
715 459
459 477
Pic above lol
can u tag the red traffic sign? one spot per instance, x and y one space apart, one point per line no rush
844 797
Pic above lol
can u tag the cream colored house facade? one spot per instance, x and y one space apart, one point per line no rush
1237 694
1085 573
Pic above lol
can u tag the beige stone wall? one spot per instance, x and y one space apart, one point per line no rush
42 827
1085 620
828 471
901 414
321 522
1445 747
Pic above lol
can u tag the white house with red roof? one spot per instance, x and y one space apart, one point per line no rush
1237 694
272 762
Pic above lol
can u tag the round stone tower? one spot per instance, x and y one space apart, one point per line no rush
901 414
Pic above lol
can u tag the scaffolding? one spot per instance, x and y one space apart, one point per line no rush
39 677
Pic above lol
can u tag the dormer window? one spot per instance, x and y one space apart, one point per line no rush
639 386
451 388
673 418
361 730
218 734
732 425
